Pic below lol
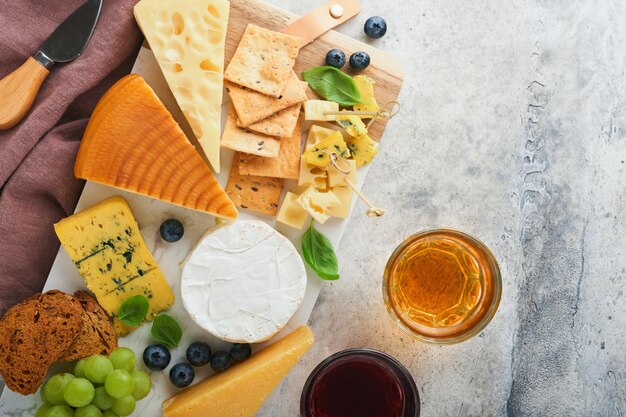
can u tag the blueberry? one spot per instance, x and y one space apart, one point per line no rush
336 58
172 230
220 361
375 27
359 60
182 375
156 357
240 351
198 353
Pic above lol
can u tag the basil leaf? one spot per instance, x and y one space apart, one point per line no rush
133 310
166 330
333 84
319 254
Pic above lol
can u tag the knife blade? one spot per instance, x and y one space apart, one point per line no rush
68 41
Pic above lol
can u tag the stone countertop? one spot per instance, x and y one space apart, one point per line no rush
513 128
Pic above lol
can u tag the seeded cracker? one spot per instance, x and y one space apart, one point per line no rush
249 142
252 106
286 165
263 60
281 124
260 194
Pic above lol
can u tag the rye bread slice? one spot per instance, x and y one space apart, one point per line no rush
97 336
33 335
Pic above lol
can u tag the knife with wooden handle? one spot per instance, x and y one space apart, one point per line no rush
19 89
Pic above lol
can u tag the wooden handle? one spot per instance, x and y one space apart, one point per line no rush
18 91
319 21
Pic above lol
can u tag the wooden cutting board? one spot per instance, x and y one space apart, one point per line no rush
385 69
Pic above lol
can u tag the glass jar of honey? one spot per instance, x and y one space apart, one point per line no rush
442 286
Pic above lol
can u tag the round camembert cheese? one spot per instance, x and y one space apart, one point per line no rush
243 282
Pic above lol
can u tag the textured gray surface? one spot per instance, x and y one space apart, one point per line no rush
513 129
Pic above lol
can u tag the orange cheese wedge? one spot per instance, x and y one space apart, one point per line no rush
133 143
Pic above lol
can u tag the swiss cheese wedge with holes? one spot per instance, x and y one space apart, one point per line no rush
133 143
187 39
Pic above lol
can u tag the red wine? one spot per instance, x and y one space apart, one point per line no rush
357 386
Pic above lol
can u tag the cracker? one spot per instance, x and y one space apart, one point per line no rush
263 60
252 106
281 124
286 165
249 142
260 194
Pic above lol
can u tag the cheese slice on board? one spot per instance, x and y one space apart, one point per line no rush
133 143
241 390
106 246
187 39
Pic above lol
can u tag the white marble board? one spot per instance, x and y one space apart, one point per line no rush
149 214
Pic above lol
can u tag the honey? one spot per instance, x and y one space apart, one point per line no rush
442 286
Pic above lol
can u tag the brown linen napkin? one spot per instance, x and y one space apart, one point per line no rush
37 184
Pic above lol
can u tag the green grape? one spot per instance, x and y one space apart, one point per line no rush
123 358
109 413
119 383
88 411
78 392
53 390
59 411
102 400
79 368
97 367
143 385
124 406
41 411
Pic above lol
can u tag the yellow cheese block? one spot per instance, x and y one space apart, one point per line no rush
365 85
105 244
319 154
318 204
345 196
291 212
353 125
317 134
187 38
337 178
316 109
241 390
363 149
312 175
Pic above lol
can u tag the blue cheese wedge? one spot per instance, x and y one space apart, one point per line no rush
243 282
365 85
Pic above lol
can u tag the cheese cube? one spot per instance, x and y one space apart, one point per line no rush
318 204
337 178
316 109
316 135
319 154
242 389
363 149
365 85
106 246
187 38
353 125
291 212
345 196
312 175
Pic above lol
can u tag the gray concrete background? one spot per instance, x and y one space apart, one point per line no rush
513 129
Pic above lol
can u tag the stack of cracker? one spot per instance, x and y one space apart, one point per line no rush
262 125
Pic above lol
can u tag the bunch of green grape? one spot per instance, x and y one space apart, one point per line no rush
99 387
